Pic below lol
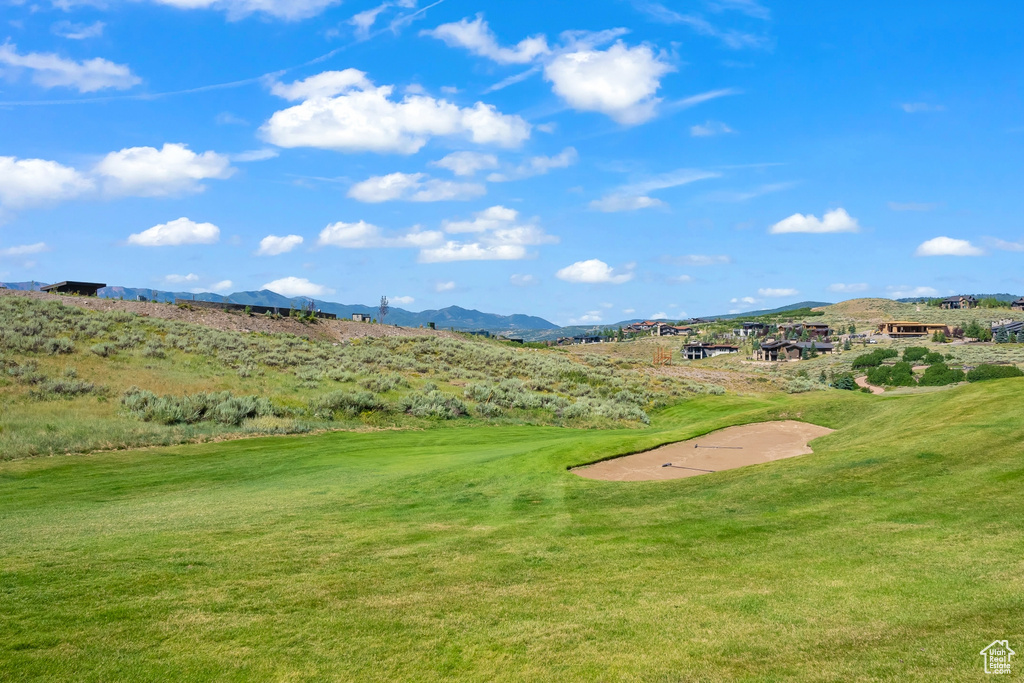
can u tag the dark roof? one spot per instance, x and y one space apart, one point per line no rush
73 283
824 346
960 296
700 345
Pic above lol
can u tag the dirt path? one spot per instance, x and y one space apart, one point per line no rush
725 449
863 382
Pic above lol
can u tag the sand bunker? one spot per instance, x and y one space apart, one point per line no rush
725 449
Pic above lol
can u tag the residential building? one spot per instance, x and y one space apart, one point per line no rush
785 349
961 301
903 329
814 330
700 350
1018 305
72 287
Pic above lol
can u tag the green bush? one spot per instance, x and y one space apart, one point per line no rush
899 375
349 402
874 359
433 404
103 349
940 374
983 372
845 382
914 353
933 358
220 407
59 345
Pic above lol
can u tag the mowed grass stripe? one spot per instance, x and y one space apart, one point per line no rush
460 553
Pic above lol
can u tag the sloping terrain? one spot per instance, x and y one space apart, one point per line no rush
890 553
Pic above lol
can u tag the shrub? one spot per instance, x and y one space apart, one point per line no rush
351 403
899 375
103 349
914 353
845 382
940 374
154 350
383 383
873 359
799 385
60 345
63 388
983 372
220 407
933 358
433 404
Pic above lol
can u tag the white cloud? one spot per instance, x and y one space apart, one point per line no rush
176 233
296 286
363 235
49 70
288 10
777 292
947 246
538 165
272 245
836 220
364 21
620 81
498 235
151 172
905 292
477 37
919 107
594 271
731 38
1003 245
413 187
466 163
848 288
29 182
512 80
911 206
613 203
681 279
175 279
749 300
588 318
73 31
24 250
628 311
222 287
703 260
660 315
444 286
634 196
709 128
522 280
402 300
254 155
751 8
343 111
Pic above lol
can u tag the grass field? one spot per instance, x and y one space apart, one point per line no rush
468 552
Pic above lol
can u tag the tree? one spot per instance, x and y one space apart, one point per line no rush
383 309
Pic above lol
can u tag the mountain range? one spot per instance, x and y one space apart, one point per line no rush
451 317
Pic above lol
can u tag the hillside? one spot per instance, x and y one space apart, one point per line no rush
451 317
874 311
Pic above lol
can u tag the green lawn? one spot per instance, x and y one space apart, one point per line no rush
470 553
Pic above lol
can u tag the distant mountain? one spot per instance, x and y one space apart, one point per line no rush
450 317
770 311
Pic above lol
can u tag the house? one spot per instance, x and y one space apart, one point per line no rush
72 287
903 329
814 330
1017 305
784 349
645 326
675 330
254 309
700 350
750 329
961 301
1009 327
360 318
585 339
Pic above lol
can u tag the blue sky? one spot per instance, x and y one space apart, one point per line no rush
586 162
